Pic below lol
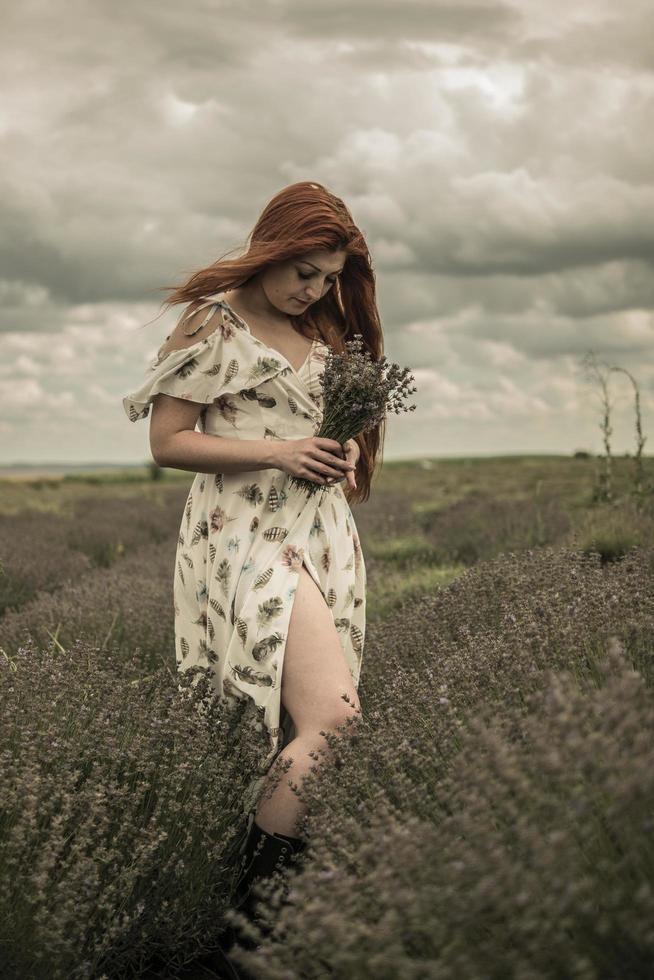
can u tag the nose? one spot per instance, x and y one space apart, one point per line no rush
313 294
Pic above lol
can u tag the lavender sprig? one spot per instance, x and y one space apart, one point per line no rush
358 392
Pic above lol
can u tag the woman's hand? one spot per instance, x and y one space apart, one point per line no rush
352 454
314 458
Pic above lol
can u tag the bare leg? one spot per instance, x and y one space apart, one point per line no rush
315 675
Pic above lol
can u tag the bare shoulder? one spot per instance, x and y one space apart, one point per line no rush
193 325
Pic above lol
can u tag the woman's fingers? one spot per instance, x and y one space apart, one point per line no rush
332 465
350 453
328 467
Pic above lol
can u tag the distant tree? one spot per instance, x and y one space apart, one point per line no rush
600 371
639 472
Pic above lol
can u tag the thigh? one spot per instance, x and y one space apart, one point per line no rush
315 673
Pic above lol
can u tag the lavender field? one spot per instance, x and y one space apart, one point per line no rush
493 815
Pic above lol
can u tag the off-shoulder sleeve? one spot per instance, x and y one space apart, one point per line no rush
195 373
226 363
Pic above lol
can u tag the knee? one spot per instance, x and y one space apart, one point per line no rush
342 715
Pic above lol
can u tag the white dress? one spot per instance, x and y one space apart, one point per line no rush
244 536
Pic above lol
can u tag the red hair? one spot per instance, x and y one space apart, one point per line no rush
300 218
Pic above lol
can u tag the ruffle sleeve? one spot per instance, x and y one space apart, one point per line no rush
225 362
192 373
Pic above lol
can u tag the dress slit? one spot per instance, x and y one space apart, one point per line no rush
286 723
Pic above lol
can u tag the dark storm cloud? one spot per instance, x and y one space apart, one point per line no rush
576 294
616 38
152 137
497 156
422 20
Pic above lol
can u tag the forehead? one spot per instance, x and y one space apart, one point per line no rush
326 261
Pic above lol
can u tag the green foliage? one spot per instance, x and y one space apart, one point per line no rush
55 544
403 552
612 547
612 530
156 472
401 585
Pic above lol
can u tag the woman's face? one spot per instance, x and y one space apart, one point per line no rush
292 286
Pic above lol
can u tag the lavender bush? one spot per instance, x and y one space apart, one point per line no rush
125 608
481 526
27 566
119 808
106 527
41 549
492 814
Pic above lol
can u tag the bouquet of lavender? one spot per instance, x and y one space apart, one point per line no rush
357 393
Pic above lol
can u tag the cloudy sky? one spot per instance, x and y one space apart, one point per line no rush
496 155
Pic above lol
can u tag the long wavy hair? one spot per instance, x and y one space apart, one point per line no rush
300 218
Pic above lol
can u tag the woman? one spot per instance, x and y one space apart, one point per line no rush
269 587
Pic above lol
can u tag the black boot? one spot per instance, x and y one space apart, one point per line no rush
264 855
218 959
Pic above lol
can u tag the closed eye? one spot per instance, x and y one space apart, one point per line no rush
311 274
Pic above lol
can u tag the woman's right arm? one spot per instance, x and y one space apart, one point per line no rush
174 443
